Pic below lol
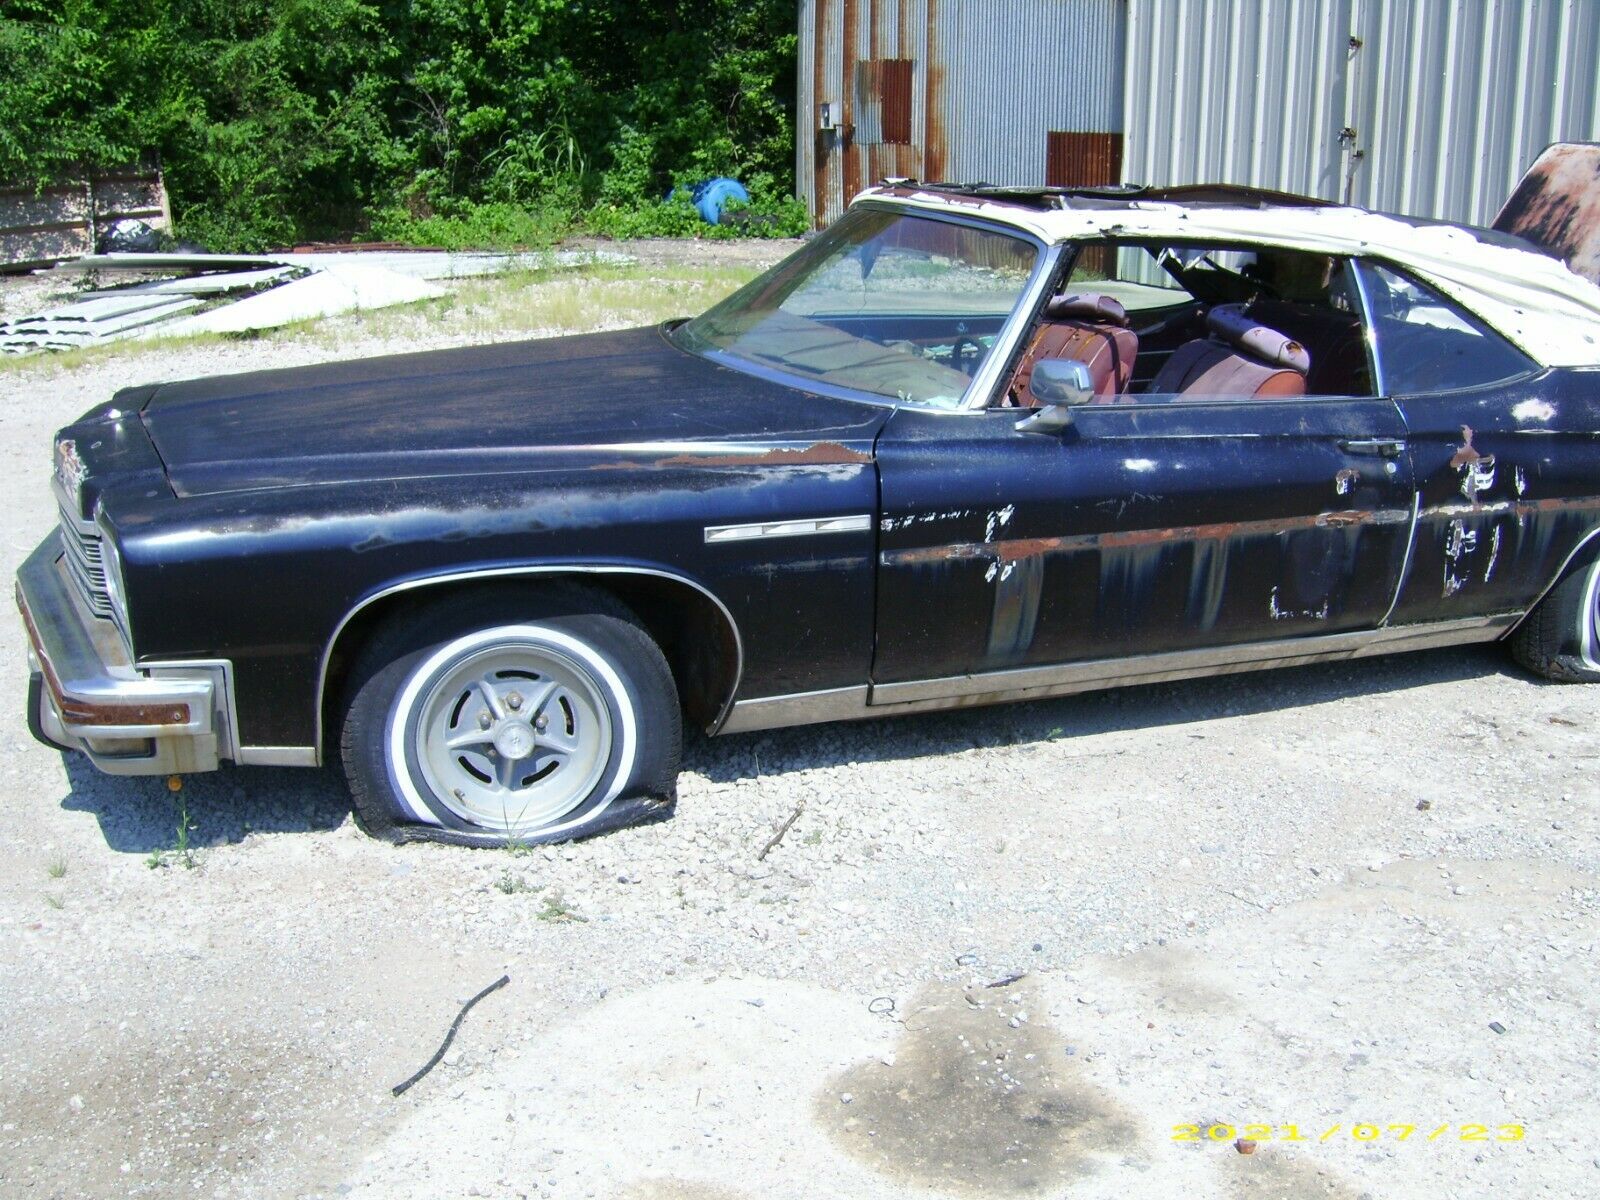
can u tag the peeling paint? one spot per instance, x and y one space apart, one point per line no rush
1519 480
1345 480
1477 470
1280 613
998 520
1494 555
1534 410
1019 548
1141 465
890 524
1459 543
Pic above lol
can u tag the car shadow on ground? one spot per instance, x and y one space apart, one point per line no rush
140 815
742 756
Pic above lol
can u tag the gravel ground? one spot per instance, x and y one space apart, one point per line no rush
998 953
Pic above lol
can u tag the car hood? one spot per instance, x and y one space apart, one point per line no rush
613 400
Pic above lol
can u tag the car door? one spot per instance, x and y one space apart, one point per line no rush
1498 448
1144 528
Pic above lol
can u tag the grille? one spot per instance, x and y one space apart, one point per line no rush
85 564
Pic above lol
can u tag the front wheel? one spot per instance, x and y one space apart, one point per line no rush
1560 639
511 719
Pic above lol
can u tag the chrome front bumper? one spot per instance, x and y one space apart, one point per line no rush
85 693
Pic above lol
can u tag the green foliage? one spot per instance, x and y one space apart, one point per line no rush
491 226
767 215
438 121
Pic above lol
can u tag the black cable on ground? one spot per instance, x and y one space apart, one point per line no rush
433 1062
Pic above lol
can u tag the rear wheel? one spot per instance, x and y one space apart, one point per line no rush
1560 639
507 718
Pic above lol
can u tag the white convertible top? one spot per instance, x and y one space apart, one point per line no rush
1531 298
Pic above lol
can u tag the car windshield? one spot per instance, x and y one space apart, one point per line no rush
905 307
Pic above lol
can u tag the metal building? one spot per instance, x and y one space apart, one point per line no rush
1428 107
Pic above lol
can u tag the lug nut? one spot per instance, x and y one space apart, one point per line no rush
514 700
542 724
484 720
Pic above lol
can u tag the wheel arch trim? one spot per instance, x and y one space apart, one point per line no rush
1586 542
482 574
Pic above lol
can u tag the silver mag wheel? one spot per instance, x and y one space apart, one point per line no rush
510 729
511 718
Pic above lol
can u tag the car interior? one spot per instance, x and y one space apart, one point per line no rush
1158 321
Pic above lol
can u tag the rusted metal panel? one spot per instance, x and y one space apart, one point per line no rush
895 97
1557 206
1016 69
1077 159
938 91
882 102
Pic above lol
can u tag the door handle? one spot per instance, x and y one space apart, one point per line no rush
1380 447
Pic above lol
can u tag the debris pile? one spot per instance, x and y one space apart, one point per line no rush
216 293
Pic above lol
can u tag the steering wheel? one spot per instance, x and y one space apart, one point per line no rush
958 353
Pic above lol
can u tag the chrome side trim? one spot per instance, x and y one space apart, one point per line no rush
1566 563
857 523
1037 683
799 708
1405 563
407 585
276 756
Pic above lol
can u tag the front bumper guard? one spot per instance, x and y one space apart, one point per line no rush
87 695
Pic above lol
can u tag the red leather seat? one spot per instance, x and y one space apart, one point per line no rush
1240 358
1091 328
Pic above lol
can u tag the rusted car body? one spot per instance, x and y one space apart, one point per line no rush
1253 431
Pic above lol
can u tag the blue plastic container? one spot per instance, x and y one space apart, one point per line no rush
710 196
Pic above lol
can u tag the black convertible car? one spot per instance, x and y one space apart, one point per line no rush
966 446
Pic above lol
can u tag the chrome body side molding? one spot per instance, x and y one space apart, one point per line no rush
1037 683
276 756
856 523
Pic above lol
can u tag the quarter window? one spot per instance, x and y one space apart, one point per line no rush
1424 343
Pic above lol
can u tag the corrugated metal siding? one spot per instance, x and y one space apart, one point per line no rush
1221 92
988 80
1459 99
1449 100
1017 69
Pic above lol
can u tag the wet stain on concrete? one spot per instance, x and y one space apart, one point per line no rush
979 1098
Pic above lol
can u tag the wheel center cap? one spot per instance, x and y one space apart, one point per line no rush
515 739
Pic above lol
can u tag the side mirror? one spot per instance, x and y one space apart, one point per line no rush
1062 384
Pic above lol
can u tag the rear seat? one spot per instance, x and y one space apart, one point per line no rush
1240 358
1091 328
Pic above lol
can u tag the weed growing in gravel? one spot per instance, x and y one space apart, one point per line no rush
56 868
54 901
512 885
555 909
181 852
